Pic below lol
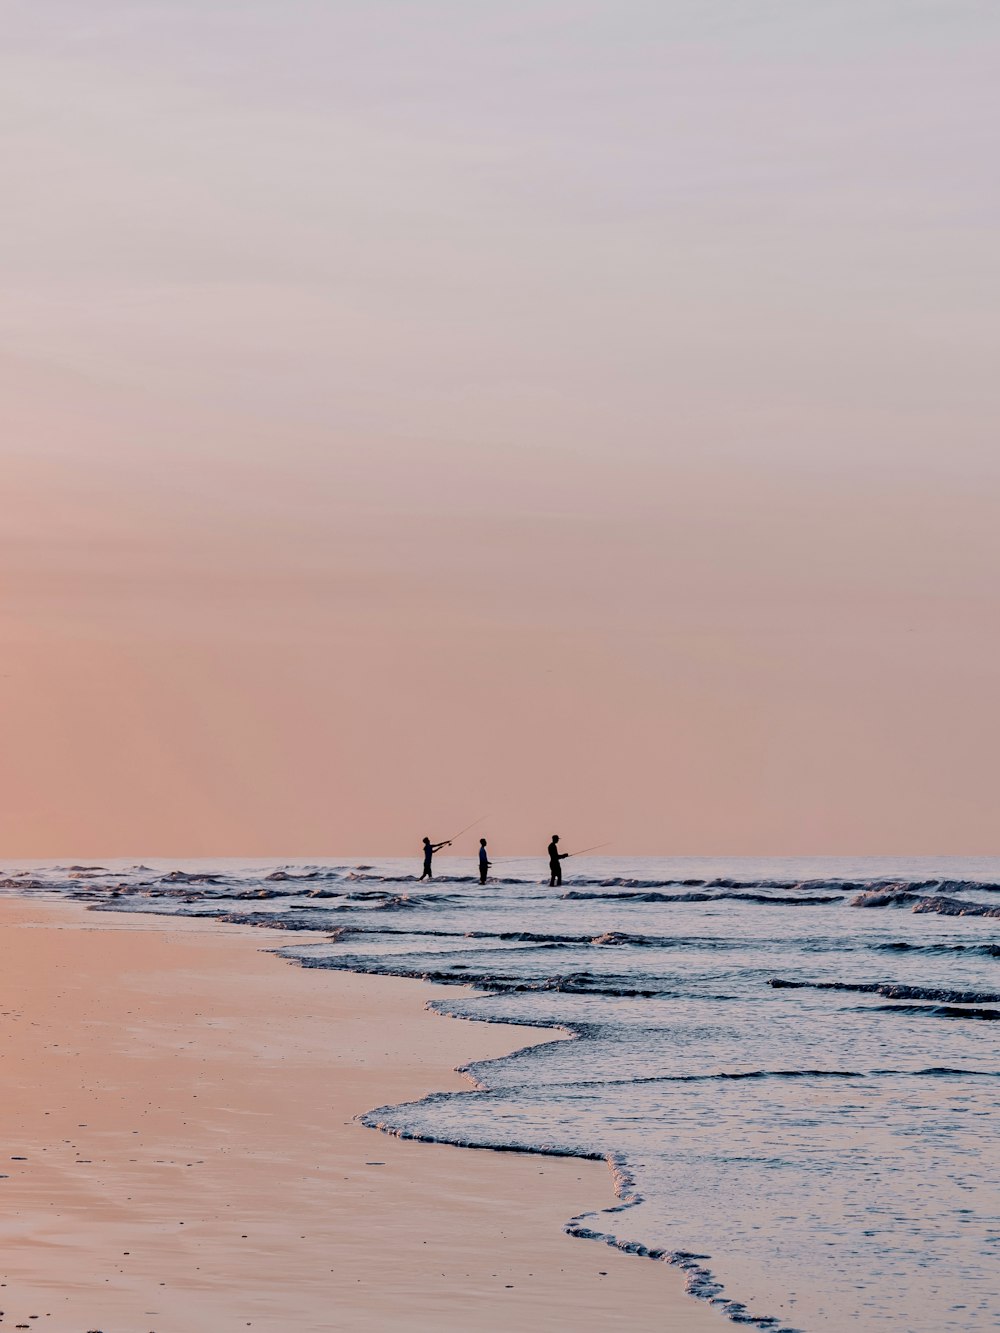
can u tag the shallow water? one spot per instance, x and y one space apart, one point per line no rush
818 1153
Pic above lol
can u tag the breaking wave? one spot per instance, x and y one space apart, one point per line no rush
892 991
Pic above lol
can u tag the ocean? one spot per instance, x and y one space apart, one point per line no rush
791 1066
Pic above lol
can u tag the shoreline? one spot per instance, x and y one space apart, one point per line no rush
180 1153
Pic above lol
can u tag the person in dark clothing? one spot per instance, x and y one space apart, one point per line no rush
555 857
484 861
429 849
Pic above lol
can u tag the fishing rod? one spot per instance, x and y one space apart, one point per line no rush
505 860
528 856
467 827
584 850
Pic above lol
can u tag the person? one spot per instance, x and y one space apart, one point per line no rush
555 856
429 849
484 861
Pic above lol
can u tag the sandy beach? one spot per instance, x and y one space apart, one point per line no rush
179 1153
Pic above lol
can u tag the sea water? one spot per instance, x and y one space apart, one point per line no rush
790 1066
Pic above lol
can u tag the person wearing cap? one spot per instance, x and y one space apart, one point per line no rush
484 861
555 859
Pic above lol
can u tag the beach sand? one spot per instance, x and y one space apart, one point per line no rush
179 1156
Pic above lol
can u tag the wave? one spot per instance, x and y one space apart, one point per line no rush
607 939
289 876
904 895
198 877
804 886
504 936
584 983
904 946
759 1075
698 897
701 1282
892 991
180 890
266 920
461 973
934 1011
955 907
829 885
319 923
384 896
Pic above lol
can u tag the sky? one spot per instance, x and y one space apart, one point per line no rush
582 414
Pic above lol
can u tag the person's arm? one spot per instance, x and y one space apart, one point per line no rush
563 855
438 845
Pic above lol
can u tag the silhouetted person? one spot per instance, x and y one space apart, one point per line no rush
429 849
555 857
484 861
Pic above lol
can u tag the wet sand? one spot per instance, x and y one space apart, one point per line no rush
179 1156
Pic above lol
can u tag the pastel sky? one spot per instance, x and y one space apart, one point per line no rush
581 413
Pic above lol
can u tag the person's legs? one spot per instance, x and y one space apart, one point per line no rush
557 874
482 875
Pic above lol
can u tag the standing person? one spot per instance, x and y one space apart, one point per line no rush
429 849
484 861
555 857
